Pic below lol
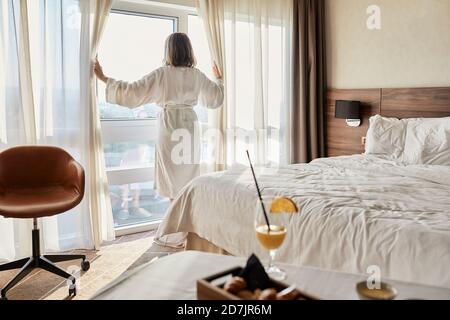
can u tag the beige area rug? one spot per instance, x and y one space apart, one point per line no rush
106 265
112 261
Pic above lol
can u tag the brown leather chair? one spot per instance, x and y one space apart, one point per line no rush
35 182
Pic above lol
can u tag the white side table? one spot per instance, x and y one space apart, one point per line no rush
174 278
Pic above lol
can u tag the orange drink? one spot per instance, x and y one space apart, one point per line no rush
272 239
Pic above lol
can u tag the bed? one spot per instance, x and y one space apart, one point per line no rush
355 211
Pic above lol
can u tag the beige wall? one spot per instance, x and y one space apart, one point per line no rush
412 48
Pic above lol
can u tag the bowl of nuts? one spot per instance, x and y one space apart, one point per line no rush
249 283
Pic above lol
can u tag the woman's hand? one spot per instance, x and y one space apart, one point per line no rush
98 70
216 72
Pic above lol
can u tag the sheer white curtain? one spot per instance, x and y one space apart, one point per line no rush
44 100
94 17
212 13
257 40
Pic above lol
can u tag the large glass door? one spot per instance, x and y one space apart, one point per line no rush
132 46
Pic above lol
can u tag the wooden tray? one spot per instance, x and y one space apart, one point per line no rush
211 288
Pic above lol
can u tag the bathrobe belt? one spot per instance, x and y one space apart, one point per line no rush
177 107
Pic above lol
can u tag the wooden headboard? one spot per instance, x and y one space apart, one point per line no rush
398 103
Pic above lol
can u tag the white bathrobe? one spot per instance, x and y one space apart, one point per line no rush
176 90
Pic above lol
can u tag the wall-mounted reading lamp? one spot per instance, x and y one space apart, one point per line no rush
348 110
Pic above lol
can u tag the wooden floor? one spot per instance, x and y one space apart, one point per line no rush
112 260
131 237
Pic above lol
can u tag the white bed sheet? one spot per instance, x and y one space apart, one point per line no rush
355 212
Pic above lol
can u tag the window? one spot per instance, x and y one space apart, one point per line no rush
200 45
141 51
129 135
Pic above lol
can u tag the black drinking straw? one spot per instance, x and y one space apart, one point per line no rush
259 192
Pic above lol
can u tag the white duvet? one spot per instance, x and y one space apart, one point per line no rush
355 212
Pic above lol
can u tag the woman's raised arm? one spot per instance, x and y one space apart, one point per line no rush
213 92
134 94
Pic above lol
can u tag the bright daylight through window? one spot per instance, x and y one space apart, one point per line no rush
130 155
129 134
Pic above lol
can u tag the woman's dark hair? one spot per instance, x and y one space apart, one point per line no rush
179 52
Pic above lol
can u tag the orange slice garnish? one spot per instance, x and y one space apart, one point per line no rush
283 205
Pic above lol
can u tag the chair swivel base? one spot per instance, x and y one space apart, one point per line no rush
45 262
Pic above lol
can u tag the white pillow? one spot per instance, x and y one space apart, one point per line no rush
427 141
386 137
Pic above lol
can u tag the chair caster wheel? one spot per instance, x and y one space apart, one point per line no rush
72 290
85 265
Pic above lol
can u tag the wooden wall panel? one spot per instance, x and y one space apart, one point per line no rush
398 103
415 102
342 139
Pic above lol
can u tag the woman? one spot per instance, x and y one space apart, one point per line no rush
176 87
